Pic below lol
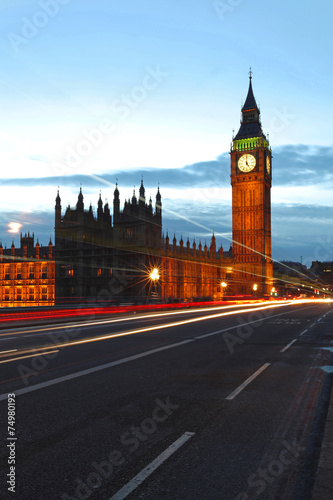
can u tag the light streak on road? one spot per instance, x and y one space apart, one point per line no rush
30 356
41 350
148 316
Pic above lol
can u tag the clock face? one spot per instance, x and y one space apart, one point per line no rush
246 163
268 164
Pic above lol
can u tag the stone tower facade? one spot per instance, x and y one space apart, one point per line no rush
251 177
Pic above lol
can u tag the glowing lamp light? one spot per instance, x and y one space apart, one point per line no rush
154 276
14 227
224 284
255 287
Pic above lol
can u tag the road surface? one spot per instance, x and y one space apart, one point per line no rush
211 403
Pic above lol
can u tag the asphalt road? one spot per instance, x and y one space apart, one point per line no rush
227 403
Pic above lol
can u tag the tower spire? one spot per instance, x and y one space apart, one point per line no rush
250 122
250 102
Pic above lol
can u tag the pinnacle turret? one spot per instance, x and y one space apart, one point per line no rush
142 197
80 205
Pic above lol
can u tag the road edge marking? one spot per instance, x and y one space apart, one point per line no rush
247 382
288 345
147 471
304 331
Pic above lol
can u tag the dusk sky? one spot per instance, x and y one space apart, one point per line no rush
91 92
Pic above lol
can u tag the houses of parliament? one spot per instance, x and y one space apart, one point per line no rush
122 255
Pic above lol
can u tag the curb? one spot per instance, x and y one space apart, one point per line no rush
323 486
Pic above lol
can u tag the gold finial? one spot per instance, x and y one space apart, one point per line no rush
250 73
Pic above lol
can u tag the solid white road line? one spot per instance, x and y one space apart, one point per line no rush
247 382
288 345
91 370
304 331
139 478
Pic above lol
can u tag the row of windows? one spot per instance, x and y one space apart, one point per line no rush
30 295
25 273
97 272
19 276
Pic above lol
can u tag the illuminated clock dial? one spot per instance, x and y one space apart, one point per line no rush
268 164
246 163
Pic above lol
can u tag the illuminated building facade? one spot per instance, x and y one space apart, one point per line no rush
193 272
27 274
251 174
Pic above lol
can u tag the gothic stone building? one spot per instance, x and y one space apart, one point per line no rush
110 258
195 273
106 258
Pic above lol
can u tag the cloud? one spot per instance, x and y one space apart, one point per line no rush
198 220
301 165
293 165
37 158
205 173
302 230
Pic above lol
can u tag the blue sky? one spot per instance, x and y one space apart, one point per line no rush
94 91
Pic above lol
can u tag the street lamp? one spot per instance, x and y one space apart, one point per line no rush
224 286
154 275
255 288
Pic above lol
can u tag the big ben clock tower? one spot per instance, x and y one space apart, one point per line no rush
251 175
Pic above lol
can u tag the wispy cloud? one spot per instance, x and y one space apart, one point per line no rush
293 165
300 165
198 174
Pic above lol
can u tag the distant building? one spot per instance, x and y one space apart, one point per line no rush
295 279
324 273
27 274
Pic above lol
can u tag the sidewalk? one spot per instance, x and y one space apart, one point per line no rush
323 488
